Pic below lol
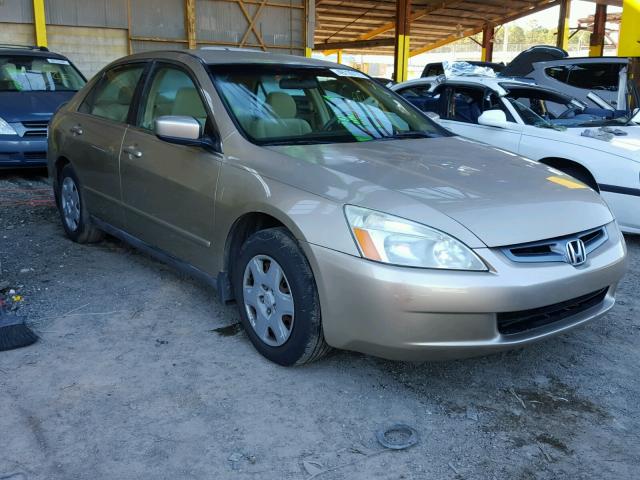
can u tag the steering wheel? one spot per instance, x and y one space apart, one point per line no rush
330 124
570 113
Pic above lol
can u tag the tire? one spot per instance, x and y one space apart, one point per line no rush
285 339
73 210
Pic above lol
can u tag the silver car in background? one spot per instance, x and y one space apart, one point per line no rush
329 208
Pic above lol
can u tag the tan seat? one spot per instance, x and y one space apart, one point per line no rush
284 123
189 103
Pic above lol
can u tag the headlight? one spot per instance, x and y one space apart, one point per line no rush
6 129
389 239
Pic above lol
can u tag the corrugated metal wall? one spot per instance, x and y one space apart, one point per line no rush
278 25
16 11
87 13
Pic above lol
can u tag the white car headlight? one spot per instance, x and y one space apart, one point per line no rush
6 129
394 240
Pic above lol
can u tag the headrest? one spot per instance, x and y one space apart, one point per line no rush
188 102
282 104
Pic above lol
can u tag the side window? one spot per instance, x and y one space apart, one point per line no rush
465 105
416 91
595 76
111 97
172 92
560 73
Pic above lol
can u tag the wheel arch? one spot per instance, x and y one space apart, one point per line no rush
563 164
241 229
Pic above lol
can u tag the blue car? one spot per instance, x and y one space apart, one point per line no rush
34 82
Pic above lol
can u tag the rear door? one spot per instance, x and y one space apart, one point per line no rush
169 189
94 137
465 104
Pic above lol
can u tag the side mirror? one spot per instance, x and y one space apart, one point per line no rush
177 128
493 118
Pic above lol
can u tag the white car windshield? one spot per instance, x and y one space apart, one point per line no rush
547 109
285 105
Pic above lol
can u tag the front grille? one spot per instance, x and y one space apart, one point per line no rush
36 124
35 128
554 250
510 323
34 155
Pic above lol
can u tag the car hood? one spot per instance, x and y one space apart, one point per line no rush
627 145
502 198
25 106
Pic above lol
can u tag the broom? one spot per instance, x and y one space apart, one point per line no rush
13 332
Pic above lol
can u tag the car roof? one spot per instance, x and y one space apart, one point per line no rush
29 52
573 60
228 55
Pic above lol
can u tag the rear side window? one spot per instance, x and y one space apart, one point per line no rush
595 76
111 97
560 73
416 91
592 76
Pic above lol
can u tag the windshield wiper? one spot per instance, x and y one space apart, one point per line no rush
411 134
294 141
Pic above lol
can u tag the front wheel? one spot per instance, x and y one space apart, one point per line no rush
73 211
278 299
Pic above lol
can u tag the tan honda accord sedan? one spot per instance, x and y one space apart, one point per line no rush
331 210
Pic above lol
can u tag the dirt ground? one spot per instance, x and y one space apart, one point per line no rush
141 374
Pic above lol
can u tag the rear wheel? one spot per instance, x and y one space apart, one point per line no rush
278 299
73 211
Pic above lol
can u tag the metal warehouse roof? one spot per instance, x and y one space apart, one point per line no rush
368 25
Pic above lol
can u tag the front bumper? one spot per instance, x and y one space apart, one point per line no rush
417 314
18 152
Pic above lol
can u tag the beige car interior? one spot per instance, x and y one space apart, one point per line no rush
283 122
173 93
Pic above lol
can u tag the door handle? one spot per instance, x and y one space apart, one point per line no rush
133 151
76 130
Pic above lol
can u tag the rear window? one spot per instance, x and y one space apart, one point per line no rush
22 73
591 76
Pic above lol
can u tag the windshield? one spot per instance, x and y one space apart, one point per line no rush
551 110
22 73
285 105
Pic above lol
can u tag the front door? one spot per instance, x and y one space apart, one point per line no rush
96 133
464 107
169 189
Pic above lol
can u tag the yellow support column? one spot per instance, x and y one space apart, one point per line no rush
308 52
40 23
401 53
190 22
596 41
563 25
629 43
339 59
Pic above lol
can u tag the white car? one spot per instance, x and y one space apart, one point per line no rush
586 142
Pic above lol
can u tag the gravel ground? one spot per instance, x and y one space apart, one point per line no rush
141 373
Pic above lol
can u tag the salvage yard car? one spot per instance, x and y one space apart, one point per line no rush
330 209
34 82
599 147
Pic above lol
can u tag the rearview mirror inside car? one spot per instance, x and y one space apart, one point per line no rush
493 118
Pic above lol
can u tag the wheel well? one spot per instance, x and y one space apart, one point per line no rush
569 166
242 229
60 164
